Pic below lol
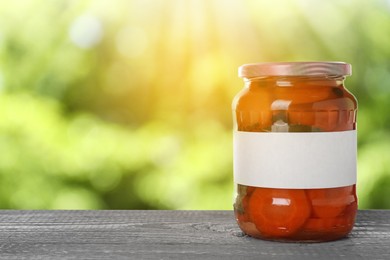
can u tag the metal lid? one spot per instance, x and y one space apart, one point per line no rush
294 69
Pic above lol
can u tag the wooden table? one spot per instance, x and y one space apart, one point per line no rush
171 235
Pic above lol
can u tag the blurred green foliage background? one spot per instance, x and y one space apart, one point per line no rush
126 104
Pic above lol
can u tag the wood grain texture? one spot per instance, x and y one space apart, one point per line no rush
171 235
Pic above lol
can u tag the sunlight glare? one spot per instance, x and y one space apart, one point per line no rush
132 42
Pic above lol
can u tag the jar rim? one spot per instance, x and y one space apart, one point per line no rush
306 68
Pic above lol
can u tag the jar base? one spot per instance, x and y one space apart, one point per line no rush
250 230
309 241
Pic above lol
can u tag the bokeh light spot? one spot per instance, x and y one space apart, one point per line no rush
86 31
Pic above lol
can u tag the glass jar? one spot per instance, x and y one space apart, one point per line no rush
295 151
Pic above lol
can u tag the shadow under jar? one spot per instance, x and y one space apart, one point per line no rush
295 151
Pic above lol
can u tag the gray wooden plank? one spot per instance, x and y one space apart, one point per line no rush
171 235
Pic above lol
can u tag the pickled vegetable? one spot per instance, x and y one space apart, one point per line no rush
297 214
278 212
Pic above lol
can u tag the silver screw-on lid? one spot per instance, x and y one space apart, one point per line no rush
294 69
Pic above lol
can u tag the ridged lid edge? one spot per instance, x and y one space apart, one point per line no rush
328 68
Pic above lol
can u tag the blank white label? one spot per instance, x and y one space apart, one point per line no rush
295 160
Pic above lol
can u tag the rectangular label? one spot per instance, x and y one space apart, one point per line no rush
295 160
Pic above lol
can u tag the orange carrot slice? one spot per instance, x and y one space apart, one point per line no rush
278 212
330 203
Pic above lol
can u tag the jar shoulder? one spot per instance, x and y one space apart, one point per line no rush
326 98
